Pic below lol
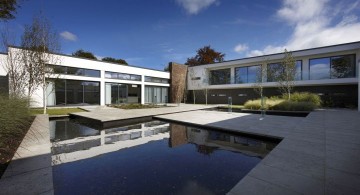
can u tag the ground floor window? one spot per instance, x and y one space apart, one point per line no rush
117 93
155 95
73 92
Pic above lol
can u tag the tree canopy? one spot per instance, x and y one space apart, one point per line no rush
84 54
8 8
118 61
205 55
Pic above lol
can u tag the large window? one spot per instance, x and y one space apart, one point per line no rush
275 69
117 93
122 76
75 71
246 74
156 80
74 92
332 67
220 77
154 94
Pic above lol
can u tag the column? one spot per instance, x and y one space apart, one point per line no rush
232 75
102 88
142 89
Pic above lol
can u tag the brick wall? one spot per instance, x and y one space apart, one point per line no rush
178 74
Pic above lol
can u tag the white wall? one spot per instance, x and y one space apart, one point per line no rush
200 71
3 57
69 61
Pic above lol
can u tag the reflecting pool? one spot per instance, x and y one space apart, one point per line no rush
155 157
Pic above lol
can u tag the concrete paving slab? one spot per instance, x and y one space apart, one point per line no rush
310 147
30 170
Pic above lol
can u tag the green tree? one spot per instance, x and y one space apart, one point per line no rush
8 8
118 61
84 54
205 55
287 74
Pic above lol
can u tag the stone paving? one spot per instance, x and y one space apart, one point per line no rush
30 170
107 114
317 155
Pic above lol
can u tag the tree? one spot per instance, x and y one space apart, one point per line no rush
8 8
287 74
37 43
205 84
205 55
16 72
259 84
194 82
118 61
166 68
84 54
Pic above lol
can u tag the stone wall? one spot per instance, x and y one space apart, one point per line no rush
178 74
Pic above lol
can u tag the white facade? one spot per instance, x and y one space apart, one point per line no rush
102 67
199 75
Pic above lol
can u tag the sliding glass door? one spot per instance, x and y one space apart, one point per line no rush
117 93
156 95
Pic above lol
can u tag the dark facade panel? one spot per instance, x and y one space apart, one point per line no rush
4 85
331 95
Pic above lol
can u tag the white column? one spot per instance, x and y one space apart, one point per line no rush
305 69
232 75
102 88
142 89
102 137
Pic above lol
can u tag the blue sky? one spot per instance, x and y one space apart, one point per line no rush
151 33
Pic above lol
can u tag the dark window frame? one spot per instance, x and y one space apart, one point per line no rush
222 69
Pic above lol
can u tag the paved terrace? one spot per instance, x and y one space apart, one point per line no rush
30 170
107 114
319 154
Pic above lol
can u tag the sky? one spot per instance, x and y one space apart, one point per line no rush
152 33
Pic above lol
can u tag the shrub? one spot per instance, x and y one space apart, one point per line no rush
256 104
294 106
305 97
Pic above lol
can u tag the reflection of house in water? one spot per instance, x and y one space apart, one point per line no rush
209 141
78 142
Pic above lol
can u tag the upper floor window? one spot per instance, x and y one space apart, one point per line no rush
275 69
247 74
74 71
156 80
220 77
122 76
332 67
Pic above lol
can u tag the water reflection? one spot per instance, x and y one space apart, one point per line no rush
73 141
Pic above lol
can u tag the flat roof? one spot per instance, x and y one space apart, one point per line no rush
274 54
60 54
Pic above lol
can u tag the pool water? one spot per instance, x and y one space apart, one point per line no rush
150 158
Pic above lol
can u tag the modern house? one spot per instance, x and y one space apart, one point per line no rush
331 71
81 81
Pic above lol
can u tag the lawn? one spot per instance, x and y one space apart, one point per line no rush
55 111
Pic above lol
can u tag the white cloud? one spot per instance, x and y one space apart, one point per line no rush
241 48
68 36
314 25
193 7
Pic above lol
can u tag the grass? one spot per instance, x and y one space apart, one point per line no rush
136 106
14 123
55 111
